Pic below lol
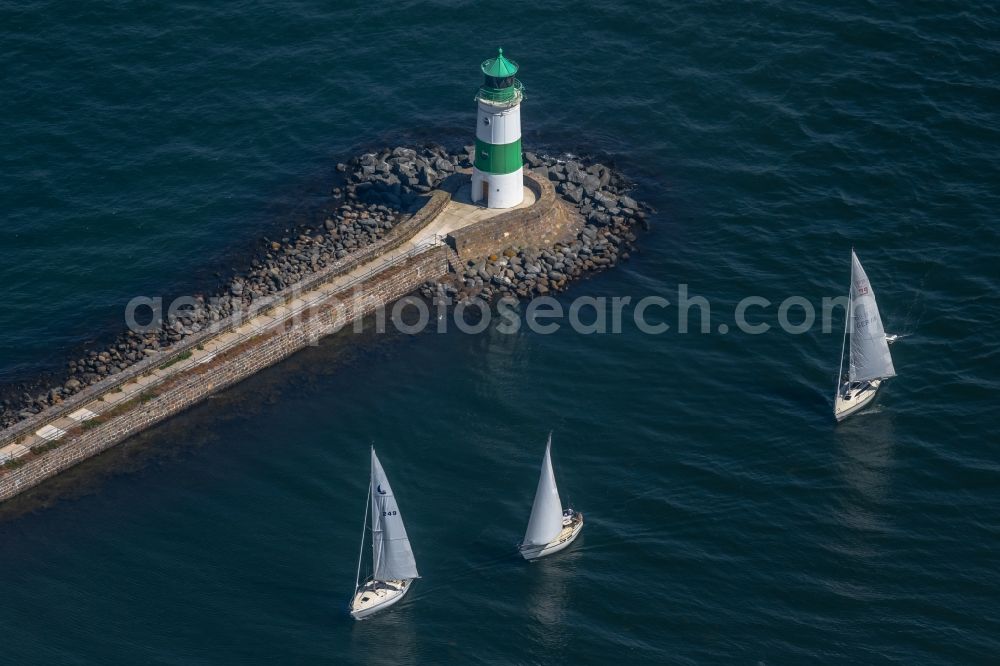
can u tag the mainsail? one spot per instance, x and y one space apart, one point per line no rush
546 513
870 357
391 552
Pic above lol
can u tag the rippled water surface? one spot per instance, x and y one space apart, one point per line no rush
146 147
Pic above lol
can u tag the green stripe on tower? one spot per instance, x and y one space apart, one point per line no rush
498 158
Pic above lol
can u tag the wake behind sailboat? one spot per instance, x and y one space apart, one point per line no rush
869 360
393 566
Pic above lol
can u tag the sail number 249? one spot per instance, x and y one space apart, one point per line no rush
390 513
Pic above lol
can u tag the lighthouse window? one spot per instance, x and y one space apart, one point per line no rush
486 121
499 83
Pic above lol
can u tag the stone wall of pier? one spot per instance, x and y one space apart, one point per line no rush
258 353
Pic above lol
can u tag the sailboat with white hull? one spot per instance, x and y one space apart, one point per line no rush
393 566
869 361
550 528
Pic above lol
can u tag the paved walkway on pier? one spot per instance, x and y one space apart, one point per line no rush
461 212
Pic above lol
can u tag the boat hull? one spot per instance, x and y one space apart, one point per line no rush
375 596
844 407
562 541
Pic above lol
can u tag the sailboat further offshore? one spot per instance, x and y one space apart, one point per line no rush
869 360
550 528
393 566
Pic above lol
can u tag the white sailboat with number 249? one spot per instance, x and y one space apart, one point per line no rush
550 528
393 566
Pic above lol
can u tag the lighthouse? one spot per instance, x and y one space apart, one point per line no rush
497 176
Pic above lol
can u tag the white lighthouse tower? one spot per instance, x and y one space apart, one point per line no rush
497 177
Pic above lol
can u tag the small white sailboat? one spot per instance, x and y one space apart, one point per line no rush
550 528
393 566
869 361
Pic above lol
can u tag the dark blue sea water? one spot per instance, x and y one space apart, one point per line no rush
146 146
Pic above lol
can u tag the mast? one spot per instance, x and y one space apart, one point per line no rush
376 518
847 323
361 553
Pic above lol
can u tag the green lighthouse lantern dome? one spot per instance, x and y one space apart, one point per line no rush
499 84
499 69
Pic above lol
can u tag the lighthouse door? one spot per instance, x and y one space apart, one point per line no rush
486 192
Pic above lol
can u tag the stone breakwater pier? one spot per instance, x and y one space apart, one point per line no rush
403 221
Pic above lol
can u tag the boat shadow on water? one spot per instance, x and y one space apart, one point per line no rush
368 637
551 580
866 469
